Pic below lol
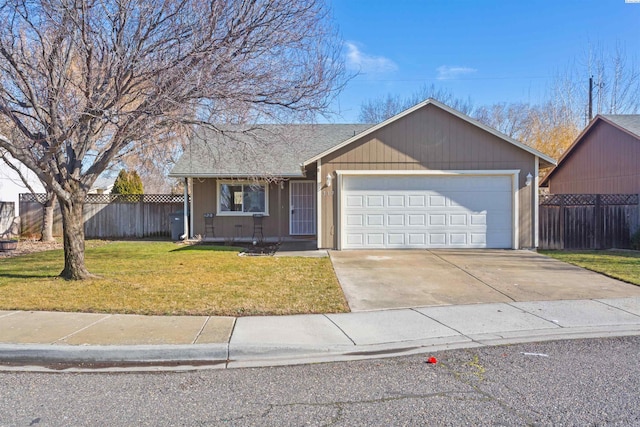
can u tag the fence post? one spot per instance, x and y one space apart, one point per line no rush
561 223
599 224
141 210
637 216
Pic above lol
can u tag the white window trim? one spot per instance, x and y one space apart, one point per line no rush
220 212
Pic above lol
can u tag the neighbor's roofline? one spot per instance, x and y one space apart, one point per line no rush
445 108
579 138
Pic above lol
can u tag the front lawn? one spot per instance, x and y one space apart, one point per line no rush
169 279
623 265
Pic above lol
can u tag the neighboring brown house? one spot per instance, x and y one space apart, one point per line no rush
429 177
604 159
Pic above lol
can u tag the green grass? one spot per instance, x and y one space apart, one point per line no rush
168 279
623 265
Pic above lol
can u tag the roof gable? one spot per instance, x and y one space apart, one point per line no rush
628 123
543 157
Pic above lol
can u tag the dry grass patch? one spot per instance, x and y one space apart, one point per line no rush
165 278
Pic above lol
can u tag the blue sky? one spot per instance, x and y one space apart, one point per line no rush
488 51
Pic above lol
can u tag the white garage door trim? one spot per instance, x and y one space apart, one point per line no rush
512 173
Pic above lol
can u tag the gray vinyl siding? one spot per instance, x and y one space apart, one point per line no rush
606 160
429 139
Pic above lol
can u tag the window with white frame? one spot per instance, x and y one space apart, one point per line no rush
242 198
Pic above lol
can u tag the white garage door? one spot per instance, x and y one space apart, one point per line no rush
447 211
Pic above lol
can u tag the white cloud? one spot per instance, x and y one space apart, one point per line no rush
448 72
365 63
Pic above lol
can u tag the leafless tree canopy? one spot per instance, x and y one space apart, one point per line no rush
84 82
380 109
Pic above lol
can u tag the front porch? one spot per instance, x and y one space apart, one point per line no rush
227 211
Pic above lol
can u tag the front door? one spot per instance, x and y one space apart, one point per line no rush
302 208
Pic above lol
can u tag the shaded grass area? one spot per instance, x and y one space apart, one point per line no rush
623 265
168 279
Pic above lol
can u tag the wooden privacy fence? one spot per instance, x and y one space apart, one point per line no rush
588 221
108 215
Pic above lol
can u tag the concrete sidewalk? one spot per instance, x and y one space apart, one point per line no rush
153 342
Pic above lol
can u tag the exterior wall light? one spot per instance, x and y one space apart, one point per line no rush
529 179
329 179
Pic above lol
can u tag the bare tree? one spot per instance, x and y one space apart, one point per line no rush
510 119
549 128
84 83
616 84
380 109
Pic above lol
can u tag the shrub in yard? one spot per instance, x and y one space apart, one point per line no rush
127 183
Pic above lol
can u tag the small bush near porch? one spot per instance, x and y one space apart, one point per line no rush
622 265
168 279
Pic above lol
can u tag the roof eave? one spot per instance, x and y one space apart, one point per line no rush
235 175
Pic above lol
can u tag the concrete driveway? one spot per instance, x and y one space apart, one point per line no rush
382 279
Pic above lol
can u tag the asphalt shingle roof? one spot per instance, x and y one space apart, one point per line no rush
630 122
276 150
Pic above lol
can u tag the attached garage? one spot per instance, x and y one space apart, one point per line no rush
429 177
455 209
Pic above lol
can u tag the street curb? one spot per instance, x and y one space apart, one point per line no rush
141 358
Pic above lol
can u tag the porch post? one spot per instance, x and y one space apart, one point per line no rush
319 242
185 209
280 185
536 203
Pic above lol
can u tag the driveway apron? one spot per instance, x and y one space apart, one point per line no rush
383 279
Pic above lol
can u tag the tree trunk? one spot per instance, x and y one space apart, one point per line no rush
73 233
47 220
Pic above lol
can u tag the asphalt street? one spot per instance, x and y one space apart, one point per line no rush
572 382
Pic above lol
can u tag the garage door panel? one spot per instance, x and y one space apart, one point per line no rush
375 220
375 201
355 201
416 220
478 219
418 239
478 239
437 219
395 220
395 201
355 220
419 201
435 201
355 239
437 239
396 239
375 239
458 219
428 211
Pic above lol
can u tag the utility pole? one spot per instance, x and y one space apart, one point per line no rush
590 98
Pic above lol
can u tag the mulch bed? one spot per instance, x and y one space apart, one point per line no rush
28 246
259 249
